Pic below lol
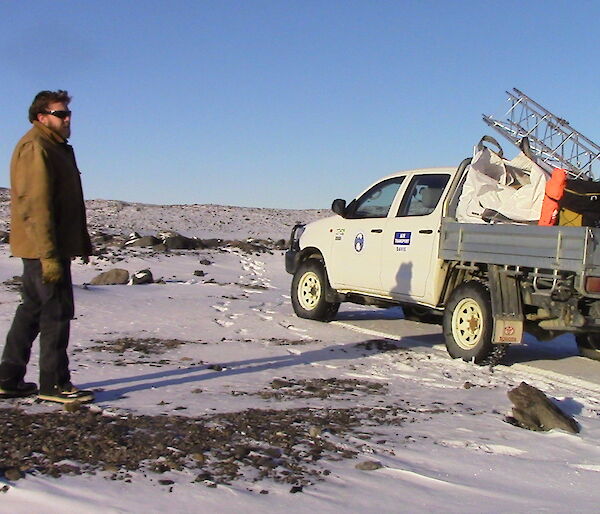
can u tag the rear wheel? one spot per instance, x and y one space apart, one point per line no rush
589 345
309 287
468 325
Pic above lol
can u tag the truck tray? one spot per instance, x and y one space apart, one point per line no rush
561 248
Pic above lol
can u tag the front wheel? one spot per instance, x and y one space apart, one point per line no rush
468 324
589 345
309 287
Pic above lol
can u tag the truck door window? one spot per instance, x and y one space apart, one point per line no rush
423 195
376 202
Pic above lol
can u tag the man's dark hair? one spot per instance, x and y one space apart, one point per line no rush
43 99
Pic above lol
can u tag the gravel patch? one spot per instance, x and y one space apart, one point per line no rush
282 445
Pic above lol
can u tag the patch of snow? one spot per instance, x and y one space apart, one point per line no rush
449 451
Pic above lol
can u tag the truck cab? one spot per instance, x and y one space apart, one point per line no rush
383 244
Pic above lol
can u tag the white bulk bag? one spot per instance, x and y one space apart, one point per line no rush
514 189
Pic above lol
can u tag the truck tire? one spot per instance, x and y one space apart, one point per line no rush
309 287
589 345
468 324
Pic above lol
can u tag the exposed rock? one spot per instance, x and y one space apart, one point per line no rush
179 242
211 243
149 345
369 465
320 388
111 277
73 406
534 411
142 277
314 431
145 241
13 474
15 283
99 238
165 234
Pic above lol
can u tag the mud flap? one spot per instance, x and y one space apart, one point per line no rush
507 307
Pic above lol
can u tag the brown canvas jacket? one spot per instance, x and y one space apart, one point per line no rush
47 209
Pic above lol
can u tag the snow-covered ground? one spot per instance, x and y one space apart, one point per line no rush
434 428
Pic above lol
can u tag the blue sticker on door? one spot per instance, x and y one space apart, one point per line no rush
402 238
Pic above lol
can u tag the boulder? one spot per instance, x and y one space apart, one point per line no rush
369 465
99 237
534 411
111 277
175 241
178 242
144 241
142 277
210 243
164 234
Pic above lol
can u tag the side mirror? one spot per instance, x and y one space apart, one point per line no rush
339 207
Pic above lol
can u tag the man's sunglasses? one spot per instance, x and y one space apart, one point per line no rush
60 114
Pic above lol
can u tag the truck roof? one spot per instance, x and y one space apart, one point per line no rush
440 169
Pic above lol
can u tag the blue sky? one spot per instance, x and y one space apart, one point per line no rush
287 104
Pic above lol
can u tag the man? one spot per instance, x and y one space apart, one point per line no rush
48 228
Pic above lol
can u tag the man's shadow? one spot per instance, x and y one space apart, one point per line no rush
200 373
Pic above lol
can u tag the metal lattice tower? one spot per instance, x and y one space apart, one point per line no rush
551 139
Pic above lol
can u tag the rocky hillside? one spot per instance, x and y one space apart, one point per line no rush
199 220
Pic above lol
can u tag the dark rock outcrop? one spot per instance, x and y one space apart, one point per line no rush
534 411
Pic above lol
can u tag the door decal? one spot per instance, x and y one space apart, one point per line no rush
402 238
359 241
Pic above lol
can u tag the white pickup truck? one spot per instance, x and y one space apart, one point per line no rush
398 243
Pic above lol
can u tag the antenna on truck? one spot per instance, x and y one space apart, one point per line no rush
551 139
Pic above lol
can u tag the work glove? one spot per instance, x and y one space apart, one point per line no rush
52 271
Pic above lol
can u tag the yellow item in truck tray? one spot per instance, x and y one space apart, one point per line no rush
569 218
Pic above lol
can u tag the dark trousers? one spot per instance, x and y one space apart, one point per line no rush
45 309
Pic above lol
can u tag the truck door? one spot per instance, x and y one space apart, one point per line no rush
356 249
411 237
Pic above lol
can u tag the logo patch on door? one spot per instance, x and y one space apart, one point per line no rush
402 238
359 242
